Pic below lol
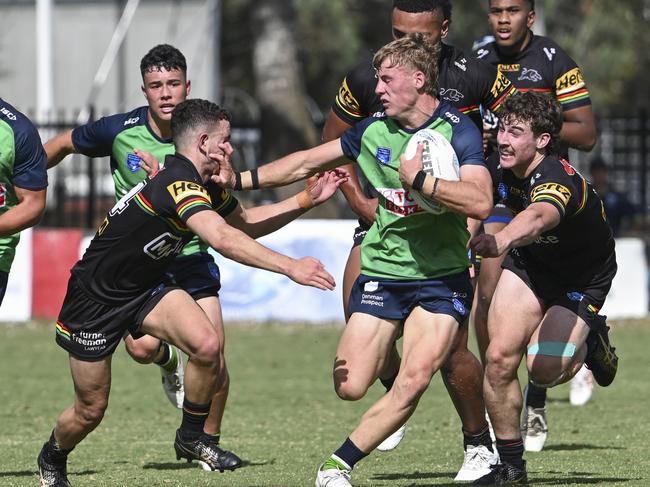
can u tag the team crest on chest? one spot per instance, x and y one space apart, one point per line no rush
133 162
383 155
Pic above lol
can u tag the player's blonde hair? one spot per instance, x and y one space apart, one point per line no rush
416 51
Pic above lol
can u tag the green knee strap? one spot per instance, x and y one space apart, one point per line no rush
553 349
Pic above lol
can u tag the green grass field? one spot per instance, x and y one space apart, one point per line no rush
284 418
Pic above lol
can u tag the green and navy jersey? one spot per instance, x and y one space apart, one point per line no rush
145 231
23 164
117 136
464 83
542 66
406 242
582 242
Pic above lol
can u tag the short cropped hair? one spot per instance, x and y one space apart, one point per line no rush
417 6
163 56
541 111
193 115
416 51
531 4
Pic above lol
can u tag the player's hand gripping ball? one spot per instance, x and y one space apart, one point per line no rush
438 159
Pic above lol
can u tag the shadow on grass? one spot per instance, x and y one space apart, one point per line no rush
580 446
181 465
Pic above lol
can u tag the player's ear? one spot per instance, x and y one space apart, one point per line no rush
419 79
188 87
445 29
543 140
530 19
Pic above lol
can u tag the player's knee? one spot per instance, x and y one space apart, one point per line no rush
547 362
90 414
412 383
208 352
499 364
350 390
143 352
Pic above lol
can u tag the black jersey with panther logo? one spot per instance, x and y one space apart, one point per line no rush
145 230
582 242
543 67
464 82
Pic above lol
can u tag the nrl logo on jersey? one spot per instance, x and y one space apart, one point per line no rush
383 155
530 75
180 190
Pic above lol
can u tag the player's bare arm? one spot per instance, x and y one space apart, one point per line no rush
522 230
471 196
294 167
265 219
579 128
58 147
238 246
27 213
360 204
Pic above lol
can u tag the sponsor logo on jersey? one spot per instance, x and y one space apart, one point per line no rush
549 53
133 162
500 85
509 68
383 155
548 239
530 75
7 113
94 342
461 64
3 195
180 190
481 53
554 191
163 246
346 100
131 121
399 202
570 81
575 296
451 117
451 94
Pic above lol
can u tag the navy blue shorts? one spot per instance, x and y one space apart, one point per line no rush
197 274
395 299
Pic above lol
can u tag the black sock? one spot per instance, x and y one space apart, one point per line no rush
511 451
349 453
482 438
167 353
194 416
388 383
54 452
535 396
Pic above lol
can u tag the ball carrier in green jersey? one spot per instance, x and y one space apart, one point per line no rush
533 63
466 84
120 284
559 268
414 265
122 137
23 183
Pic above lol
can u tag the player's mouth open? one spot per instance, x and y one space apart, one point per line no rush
167 108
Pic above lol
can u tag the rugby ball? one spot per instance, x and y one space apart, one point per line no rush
438 159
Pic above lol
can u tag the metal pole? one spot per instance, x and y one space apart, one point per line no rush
643 147
216 47
44 79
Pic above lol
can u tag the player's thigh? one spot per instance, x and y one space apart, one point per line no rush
514 315
426 344
364 348
556 342
211 306
92 380
178 319
350 274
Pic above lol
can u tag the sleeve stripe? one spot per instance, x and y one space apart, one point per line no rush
550 199
574 96
192 203
496 104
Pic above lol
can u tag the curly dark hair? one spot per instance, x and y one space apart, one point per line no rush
194 114
417 6
541 111
163 56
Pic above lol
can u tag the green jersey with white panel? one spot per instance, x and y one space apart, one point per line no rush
23 164
405 242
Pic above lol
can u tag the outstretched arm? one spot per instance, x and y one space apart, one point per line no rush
579 128
58 147
265 219
27 213
236 245
522 230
